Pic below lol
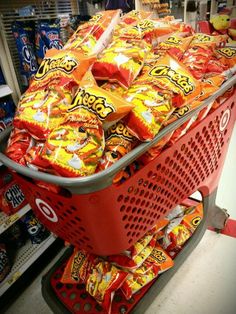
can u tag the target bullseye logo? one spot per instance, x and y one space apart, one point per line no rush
46 210
224 120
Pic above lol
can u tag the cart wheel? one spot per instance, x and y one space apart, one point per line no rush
218 217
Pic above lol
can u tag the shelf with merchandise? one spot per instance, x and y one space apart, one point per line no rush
5 90
25 257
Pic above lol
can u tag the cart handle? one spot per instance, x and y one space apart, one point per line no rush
104 178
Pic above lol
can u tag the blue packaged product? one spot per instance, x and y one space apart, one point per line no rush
7 112
36 231
2 79
47 37
24 35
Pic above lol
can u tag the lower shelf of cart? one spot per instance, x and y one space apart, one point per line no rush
25 257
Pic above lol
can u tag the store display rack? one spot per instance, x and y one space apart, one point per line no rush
25 257
7 221
5 91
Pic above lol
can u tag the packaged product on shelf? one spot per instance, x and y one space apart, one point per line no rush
4 262
12 198
135 16
92 36
103 281
7 111
47 37
23 33
5 176
121 61
36 231
2 79
78 267
118 142
14 237
158 262
227 57
44 104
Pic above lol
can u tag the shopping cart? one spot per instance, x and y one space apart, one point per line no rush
94 214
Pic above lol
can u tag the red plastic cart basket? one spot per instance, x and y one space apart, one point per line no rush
106 219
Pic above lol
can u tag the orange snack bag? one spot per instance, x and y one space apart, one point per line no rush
134 16
121 61
152 108
43 106
227 56
169 74
175 45
18 144
102 282
133 263
92 36
208 40
158 262
114 88
78 267
118 143
75 147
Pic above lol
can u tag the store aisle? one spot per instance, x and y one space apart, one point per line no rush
205 284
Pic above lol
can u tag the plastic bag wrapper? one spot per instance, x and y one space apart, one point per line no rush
5 266
107 106
102 282
208 87
7 111
114 88
44 104
47 37
227 57
147 30
75 148
214 67
135 16
169 74
92 36
152 108
24 36
18 144
118 142
204 40
36 231
158 262
181 228
12 198
141 244
132 264
155 150
78 267
121 61
175 45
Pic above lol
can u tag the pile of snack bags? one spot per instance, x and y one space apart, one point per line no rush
136 267
114 84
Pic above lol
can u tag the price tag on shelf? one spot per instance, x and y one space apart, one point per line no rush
10 220
14 277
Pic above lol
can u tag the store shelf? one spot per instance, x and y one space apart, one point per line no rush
7 221
5 90
25 257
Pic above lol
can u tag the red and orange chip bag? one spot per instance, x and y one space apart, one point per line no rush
131 264
158 262
102 282
227 57
169 74
121 61
18 144
92 36
152 108
118 143
135 16
175 45
78 267
209 41
43 106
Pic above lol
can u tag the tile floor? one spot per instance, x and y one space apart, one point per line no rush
205 284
